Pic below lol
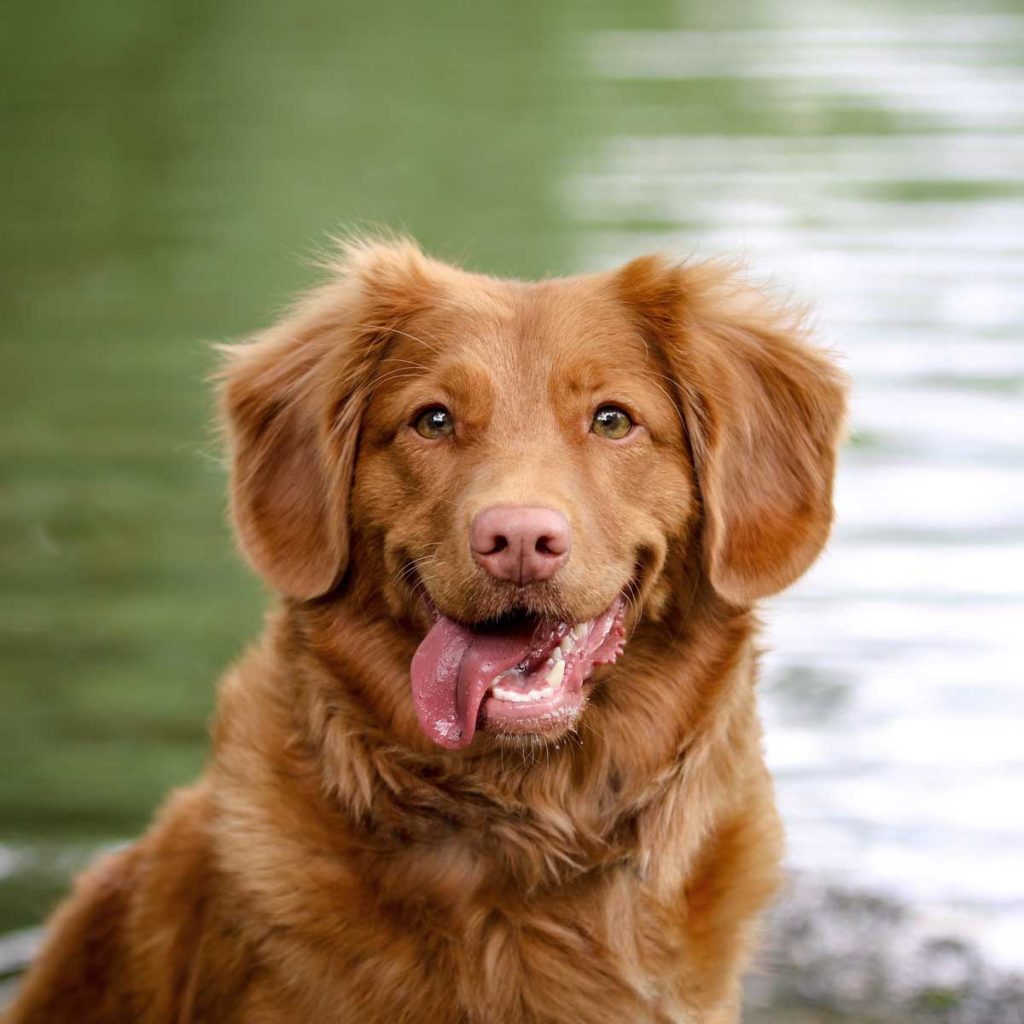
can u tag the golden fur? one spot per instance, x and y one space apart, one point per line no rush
333 864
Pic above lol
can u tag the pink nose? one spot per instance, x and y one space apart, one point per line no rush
524 545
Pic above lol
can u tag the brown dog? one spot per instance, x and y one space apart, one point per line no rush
497 758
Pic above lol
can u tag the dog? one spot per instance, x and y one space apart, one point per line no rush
496 757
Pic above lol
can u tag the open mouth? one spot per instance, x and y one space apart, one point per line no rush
520 674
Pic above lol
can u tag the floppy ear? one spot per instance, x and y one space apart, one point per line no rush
764 411
292 401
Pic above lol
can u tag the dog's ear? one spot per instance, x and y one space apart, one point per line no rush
292 401
764 412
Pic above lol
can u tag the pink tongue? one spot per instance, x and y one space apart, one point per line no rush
452 670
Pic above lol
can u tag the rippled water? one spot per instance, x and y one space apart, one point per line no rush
169 164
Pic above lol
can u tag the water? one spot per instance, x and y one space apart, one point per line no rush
170 168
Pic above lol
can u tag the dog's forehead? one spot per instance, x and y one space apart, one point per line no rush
527 332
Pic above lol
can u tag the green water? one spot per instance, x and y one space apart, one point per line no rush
170 170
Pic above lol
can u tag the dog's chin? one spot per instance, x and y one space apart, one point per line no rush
518 676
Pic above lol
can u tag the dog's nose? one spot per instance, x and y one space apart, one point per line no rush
518 543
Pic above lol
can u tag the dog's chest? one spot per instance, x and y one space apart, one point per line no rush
592 959
595 952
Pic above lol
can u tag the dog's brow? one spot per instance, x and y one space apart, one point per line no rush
466 377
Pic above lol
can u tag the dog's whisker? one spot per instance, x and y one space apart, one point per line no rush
389 329
405 362
390 377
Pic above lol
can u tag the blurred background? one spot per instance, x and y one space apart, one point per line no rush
169 169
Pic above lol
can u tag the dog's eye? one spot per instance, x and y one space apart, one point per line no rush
435 422
612 422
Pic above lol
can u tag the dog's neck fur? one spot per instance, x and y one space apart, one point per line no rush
613 795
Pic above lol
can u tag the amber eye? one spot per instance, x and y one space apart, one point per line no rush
612 422
434 423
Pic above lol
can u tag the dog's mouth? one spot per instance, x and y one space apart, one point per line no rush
520 674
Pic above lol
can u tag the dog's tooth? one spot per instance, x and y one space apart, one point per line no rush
554 677
515 696
557 655
566 646
579 632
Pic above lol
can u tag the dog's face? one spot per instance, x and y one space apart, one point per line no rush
523 472
492 413
518 470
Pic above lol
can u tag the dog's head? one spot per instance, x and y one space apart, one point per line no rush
522 471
